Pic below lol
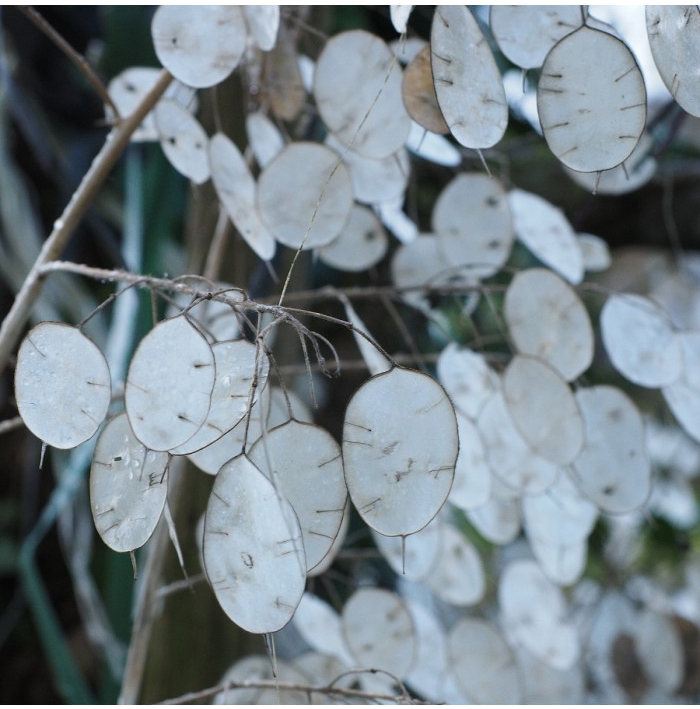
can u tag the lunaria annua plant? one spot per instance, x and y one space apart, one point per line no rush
474 473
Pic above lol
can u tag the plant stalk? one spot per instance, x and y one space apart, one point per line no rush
115 144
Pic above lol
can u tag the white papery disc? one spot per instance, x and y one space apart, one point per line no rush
533 611
128 89
263 22
547 233
169 384
513 462
498 520
472 484
233 392
128 487
321 627
199 44
253 551
562 564
674 38
236 189
429 673
659 647
543 684
683 396
379 631
473 224
613 469
264 138
399 16
482 663
458 576
467 80
361 245
183 140
374 180
548 320
62 384
269 410
526 33
399 449
595 252
307 469
313 212
591 100
640 340
543 409
467 378
559 515
357 86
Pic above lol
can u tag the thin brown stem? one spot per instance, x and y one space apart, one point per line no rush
403 697
115 144
78 59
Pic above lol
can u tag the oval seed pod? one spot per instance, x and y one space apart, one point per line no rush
482 663
543 408
418 91
591 100
264 138
237 191
472 484
374 180
547 233
169 384
457 577
683 396
472 222
467 378
640 340
233 393
315 211
361 245
534 612
400 446
613 469
128 487
526 33
253 551
548 320
430 672
498 520
357 86
321 627
128 89
62 384
304 463
379 631
263 22
468 83
515 465
199 44
183 140
674 38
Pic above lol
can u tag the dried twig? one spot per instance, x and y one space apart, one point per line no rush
115 144
77 58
